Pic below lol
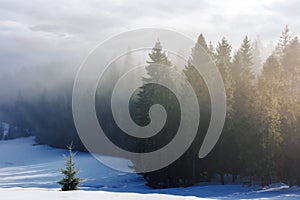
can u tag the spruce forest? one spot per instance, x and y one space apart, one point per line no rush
260 141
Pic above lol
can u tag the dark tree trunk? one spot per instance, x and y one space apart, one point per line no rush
222 179
233 178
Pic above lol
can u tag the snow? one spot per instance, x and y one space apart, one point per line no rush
36 194
29 171
27 165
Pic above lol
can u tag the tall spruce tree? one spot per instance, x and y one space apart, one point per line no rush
268 102
194 77
226 148
201 91
147 91
283 42
148 95
212 51
290 109
257 59
244 108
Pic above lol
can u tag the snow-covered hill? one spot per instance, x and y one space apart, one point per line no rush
24 164
29 171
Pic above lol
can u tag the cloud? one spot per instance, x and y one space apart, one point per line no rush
42 33
94 20
285 10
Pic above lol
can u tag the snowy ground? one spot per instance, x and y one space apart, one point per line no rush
29 171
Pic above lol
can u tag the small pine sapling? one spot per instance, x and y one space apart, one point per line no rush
70 181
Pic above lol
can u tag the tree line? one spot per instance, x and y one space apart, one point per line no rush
260 139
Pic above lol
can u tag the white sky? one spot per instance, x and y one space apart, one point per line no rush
37 32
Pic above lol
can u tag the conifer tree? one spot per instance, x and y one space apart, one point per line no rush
193 76
201 91
148 95
269 102
212 51
70 181
290 109
244 108
291 60
226 147
256 52
149 92
202 42
283 42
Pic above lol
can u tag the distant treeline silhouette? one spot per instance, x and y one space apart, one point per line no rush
260 141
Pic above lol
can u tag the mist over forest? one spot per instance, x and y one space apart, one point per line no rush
254 45
259 139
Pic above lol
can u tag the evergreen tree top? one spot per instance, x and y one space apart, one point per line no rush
201 40
246 52
282 43
285 36
157 46
158 56
211 47
246 46
223 50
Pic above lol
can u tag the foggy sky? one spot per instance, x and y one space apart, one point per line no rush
60 33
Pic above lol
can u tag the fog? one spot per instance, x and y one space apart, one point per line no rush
43 43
